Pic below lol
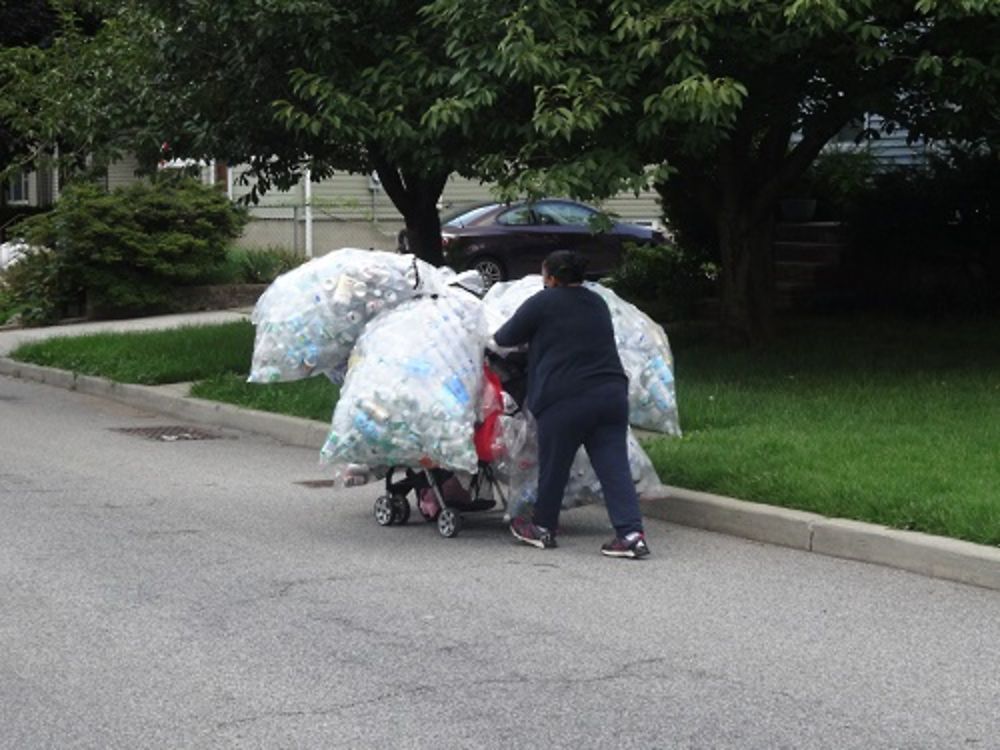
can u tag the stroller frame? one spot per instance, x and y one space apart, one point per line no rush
394 506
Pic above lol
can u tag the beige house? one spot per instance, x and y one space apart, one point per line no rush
346 210
351 210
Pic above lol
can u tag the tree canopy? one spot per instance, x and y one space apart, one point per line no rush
720 103
729 99
282 85
28 23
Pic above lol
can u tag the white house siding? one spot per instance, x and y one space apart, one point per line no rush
892 150
33 196
122 173
352 210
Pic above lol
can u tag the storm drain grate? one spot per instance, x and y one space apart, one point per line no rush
169 433
316 483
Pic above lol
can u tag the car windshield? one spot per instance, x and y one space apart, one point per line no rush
466 216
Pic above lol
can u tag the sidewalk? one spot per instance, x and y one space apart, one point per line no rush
938 557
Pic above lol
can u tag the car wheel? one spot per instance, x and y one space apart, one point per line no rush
490 269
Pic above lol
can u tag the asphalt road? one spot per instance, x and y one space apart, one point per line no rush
191 594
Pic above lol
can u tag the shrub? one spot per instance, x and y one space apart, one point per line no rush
7 308
838 180
925 238
35 289
664 280
252 266
129 248
229 271
262 266
11 216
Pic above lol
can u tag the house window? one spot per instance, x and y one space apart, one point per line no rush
17 187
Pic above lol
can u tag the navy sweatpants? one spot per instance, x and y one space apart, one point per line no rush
598 420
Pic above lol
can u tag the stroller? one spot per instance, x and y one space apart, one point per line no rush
438 494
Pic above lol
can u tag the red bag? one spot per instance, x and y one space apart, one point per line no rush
489 446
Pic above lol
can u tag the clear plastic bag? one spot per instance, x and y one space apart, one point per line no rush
583 487
645 354
519 467
12 252
309 319
642 346
502 300
413 386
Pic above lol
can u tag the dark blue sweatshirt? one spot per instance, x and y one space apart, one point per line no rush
571 344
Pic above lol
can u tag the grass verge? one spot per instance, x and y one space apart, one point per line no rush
312 399
149 357
882 420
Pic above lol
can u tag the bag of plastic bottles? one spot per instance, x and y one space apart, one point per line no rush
645 354
503 298
584 488
413 386
642 346
309 319
519 467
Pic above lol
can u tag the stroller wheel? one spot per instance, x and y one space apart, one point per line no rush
400 509
384 511
449 523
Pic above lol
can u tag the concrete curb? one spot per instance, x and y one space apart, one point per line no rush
933 556
305 433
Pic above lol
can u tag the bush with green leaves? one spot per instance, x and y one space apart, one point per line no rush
664 280
129 248
252 265
925 238
264 265
35 289
838 180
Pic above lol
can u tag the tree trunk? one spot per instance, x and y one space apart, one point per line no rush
416 196
423 227
747 281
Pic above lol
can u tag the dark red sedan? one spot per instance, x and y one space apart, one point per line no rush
510 240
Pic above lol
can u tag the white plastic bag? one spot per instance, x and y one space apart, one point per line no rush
309 319
519 468
503 298
645 354
584 488
11 252
642 346
413 385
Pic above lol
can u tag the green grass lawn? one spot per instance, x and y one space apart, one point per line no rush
178 355
216 358
884 420
878 420
312 399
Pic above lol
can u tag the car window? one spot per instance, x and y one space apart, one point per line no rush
468 216
563 214
518 217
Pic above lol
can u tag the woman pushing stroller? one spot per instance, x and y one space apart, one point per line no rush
578 394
